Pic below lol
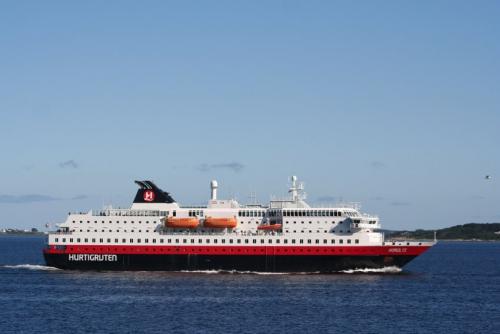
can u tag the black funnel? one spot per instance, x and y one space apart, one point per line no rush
150 193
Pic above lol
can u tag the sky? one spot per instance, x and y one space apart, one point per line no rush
393 104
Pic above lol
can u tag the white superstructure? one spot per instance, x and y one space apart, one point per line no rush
285 221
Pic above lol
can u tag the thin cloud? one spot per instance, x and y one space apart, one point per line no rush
477 197
378 164
326 198
29 198
398 203
69 164
29 167
34 198
234 166
77 197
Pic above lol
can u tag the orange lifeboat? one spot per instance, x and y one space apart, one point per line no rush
221 222
269 227
182 222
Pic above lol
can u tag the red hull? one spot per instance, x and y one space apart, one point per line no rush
242 250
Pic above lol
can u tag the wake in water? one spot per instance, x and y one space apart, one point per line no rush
29 267
236 272
384 270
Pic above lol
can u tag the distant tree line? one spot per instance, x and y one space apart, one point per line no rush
19 231
490 231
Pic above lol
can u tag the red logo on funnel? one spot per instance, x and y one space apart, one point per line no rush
149 195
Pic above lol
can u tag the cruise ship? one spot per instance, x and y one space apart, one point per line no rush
287 235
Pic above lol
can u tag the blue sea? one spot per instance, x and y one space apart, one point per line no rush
453 288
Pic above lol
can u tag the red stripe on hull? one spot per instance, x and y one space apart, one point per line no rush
241 250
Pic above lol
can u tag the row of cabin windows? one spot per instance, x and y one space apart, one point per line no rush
312 213
286 222
317 222
292 213
118 222
129 213
181 230
245 213
215 241
195 213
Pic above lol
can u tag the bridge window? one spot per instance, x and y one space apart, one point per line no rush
124 241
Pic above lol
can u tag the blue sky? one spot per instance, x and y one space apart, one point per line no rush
391 104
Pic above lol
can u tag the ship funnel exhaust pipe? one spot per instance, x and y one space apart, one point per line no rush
213 188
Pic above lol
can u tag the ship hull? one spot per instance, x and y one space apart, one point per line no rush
198 262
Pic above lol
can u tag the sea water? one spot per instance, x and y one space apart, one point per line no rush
453 288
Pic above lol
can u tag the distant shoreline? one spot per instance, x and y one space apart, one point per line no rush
17 234
451 240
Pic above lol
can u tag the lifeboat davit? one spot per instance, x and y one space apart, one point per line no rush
214 222
269 227
182 222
